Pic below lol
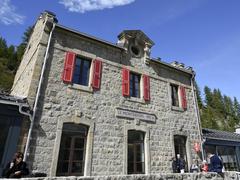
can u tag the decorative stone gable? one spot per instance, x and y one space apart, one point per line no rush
137 44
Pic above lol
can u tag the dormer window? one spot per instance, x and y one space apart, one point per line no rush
135 50
136 42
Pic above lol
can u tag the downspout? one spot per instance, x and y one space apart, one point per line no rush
197 113
32 117
20 106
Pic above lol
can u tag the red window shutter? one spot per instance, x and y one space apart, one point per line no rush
146 87
183 97
125 82
97 69
68 67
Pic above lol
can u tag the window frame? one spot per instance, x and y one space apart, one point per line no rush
83 59
178 98
134 144
132 85
181 97
73 135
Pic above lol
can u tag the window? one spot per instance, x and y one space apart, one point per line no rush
77 71
180 148
136 160
71 158
135 50
174 95
134 85
81 71
178 96
131 85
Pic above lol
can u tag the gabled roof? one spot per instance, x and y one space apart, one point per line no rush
136 33
220 135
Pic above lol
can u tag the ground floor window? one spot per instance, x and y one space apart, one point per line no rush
72 150
136 160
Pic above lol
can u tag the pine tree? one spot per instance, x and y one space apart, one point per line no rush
3 48
236 110
199 98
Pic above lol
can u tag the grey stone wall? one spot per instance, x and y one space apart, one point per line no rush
27 76
61 103
107 143
186 176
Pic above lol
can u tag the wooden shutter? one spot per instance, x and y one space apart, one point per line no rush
183 97
97 69
69 64
146 87
125 82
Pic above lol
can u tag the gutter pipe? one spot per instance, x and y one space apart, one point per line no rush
197 114
32 117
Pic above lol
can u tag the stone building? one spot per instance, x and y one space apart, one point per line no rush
101 108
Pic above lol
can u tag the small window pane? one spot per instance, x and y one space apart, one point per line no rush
140 167
134 85
130 168
174 95
81 71
66 154
130 152
77 167
78 155
135 136
64 167
79 143
67 142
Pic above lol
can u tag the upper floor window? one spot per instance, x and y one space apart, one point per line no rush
81 71
174 95
136 155
78 70
134 85
178 96
72 152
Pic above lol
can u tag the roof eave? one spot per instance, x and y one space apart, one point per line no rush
173 67
89 36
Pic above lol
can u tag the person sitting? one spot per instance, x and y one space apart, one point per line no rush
16 168
194 167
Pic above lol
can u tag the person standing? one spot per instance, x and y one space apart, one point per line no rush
180 164
194 167
16 168
216 164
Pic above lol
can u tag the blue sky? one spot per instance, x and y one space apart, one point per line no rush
204 34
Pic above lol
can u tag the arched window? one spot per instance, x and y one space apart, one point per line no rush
136 160
71 158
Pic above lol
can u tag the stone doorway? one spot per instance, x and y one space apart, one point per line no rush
180 148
